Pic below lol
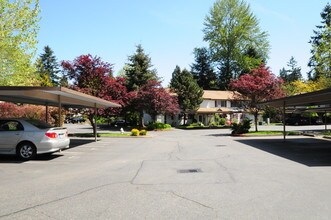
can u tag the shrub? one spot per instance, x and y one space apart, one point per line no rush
222 121
242 127
143 132
213 124
158 126
198 124
134 132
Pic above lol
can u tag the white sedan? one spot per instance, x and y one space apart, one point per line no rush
26 138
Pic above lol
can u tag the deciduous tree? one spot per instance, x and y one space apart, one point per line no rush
90 75
232 31
154 100
18 39
257 86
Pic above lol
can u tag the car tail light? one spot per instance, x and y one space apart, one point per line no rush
51 134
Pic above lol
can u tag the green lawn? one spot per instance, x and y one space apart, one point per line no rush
272 133
327 133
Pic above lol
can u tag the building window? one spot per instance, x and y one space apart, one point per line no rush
237 104
221 103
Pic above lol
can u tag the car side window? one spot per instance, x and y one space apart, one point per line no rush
11 126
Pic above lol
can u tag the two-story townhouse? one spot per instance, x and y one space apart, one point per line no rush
223 103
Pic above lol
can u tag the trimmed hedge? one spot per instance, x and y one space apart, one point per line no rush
158 126
134 132
143 132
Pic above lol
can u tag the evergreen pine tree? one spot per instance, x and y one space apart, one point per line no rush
187 89
48 68
320 61
202 70
293 73
138 71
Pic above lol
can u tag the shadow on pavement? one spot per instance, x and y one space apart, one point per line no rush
15 159
307 151
219 135
76 142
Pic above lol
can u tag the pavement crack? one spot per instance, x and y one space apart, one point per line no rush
135 176
60 199
171 154
191 200
226 170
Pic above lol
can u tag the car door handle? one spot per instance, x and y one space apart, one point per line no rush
17 134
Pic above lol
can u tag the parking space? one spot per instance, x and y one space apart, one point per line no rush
200 174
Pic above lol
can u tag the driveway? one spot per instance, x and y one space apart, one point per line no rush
179 174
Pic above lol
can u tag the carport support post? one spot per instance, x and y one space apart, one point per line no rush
95 121
46 117
59 111
326 123
284 126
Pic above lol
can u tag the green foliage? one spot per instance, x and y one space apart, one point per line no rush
158 126
48 68
222 121
320 61
213 124
202 70
235 39
143 132
297 87
292 74
18 39
138 71
134 132
242 127
196 124
188 91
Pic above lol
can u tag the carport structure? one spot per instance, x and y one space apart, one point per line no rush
53 96
318 101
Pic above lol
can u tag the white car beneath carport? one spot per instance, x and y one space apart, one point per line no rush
27 137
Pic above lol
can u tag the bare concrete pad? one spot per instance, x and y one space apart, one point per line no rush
181 172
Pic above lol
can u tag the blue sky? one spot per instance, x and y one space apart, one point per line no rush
167 30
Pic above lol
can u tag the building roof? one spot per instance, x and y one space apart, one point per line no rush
216 110
220 95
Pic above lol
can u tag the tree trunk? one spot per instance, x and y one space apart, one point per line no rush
91 119
255 119
141 119
184 118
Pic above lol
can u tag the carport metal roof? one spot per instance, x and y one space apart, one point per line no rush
52 96
317 98
318 101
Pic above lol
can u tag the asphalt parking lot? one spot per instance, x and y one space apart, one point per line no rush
200 174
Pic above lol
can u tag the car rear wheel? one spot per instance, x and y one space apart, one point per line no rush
26 151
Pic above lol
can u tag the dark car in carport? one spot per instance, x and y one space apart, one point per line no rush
303 121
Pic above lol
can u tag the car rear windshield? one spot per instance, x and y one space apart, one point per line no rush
39 124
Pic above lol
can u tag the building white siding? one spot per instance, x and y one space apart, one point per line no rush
207 104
